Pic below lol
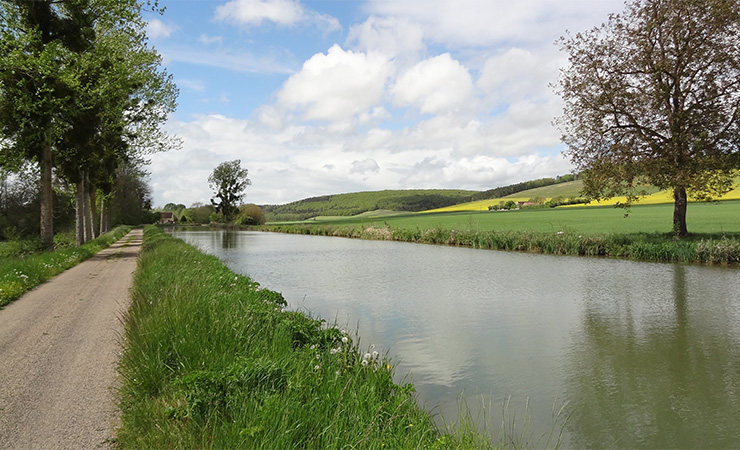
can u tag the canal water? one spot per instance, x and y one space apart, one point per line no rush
617 354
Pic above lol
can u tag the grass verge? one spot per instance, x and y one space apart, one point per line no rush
214 361
578 232
19 274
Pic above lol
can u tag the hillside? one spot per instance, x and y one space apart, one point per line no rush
412 200
360 202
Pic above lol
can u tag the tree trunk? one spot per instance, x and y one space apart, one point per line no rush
104 216
80 211
88 210
679 211
94 217
47 199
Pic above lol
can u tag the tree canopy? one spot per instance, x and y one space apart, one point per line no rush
80 92
652 96
228 181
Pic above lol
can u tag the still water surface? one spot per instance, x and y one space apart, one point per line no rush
645 355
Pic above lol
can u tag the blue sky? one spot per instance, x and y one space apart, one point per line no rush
335 96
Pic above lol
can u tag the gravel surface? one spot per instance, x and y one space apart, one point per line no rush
59 347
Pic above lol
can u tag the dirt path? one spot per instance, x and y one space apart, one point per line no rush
59 346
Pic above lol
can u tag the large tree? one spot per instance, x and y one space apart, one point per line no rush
653 97
228 181
80 91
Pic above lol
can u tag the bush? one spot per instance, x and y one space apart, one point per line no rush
250 214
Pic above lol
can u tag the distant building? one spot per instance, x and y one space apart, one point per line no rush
166 217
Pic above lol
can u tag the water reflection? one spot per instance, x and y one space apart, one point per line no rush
641 377
645 354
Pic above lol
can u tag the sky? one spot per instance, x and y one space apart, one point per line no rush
336 96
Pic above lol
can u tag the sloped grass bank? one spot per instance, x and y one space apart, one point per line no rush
20 274
214 361
654 247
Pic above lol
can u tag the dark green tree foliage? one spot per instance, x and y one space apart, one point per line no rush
80 91
36 82
228 181
131 203
523 186
653 97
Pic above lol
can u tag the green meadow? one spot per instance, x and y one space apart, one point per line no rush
643 234
719 218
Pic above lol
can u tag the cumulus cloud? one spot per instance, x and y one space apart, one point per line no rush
364 167
336 86
435 85
156 29
480 23
395 38
281 12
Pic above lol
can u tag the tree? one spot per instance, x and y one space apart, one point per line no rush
228 181
35 38
653 97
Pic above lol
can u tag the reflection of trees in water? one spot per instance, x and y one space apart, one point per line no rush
636 382
229 239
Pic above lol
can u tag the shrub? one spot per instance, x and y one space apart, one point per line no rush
250 214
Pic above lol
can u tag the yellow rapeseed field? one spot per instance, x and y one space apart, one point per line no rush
658 197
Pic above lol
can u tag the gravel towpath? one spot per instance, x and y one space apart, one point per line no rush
59 347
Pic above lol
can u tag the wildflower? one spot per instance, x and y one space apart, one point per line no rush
375 355
364 362
367 356
334 351
313 347
316 367
388 366
344 340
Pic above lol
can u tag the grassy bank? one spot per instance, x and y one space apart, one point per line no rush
657 247
19 274
214 361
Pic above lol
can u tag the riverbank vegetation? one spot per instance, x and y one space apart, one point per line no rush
584 231
22 268
214 361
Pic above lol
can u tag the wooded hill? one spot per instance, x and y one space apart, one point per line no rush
394 200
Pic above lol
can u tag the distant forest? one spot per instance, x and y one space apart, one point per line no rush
394 200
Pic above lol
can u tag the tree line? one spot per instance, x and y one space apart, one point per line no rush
82 98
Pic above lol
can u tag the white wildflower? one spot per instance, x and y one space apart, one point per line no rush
345 340
364 362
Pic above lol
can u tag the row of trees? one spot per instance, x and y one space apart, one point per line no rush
82 96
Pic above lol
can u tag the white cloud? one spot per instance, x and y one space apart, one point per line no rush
156 29
237 62
436 85
336 86
281 12
210 40
395 38
483 23
364 167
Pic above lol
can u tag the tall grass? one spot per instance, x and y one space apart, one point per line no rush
657 247
22 269
214 361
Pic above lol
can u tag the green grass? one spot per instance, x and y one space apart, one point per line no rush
603 231
213 361
703 218
19 274
360 202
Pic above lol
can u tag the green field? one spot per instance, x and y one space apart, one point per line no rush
703 218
